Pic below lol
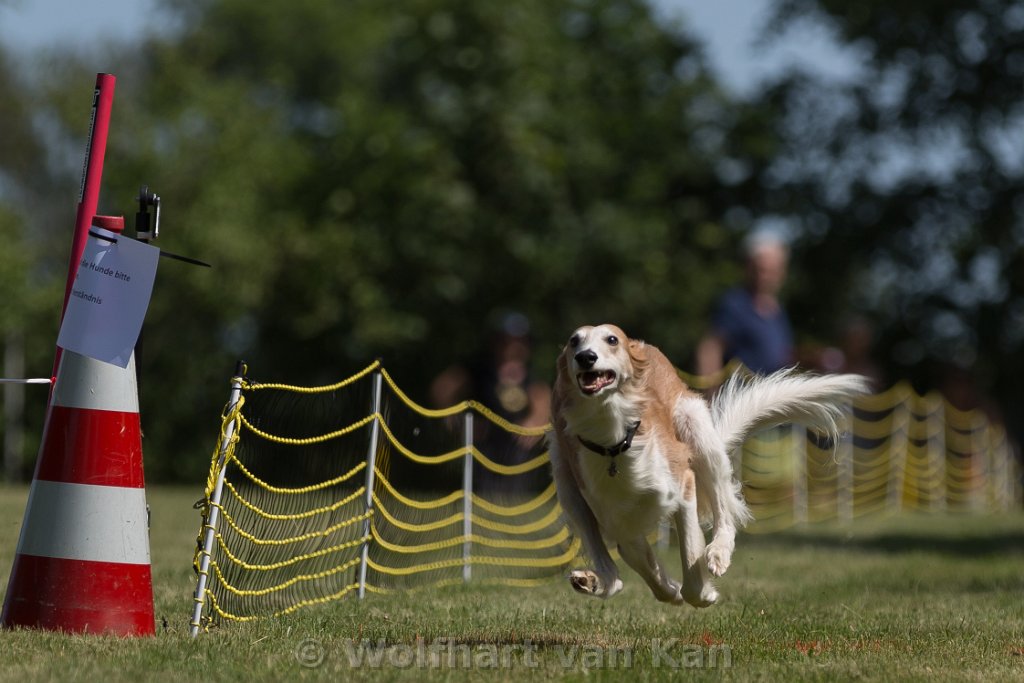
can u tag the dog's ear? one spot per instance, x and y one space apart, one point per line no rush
562 365
557 404
638 357
561 374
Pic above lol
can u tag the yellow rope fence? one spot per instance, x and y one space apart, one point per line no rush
317 493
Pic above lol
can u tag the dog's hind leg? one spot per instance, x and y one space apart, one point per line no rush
638 554
723 531
697 587
714 472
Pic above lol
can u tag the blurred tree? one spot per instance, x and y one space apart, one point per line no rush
30 305
375 178
907 181
381 178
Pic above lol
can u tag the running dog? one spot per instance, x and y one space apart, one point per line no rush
632 445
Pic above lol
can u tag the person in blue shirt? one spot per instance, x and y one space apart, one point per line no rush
748 322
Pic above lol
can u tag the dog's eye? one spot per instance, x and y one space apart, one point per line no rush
612 340
574 341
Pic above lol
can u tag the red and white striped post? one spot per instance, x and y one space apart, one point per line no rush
82 563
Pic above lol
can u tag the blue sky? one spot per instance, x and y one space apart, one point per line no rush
727 26
30 24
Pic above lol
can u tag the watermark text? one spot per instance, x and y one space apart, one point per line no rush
449 653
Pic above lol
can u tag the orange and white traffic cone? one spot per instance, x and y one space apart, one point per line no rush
82 563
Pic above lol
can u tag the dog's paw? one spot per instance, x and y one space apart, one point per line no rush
672 593
583 581
589 583
705 597
718 558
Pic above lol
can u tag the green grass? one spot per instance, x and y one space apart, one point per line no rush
907 598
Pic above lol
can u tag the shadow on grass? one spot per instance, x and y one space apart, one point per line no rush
935 541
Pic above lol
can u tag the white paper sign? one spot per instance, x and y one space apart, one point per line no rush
109 298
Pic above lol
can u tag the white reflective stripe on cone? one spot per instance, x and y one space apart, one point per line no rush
87 383
84 522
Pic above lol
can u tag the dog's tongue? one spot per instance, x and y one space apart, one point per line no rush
592 382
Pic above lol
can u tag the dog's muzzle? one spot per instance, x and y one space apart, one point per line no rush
589 380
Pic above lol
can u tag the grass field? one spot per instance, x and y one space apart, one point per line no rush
908 598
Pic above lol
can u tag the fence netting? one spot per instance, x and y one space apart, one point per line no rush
316 493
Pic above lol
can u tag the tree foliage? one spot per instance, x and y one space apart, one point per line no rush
375 178
908 180
31 269
384 179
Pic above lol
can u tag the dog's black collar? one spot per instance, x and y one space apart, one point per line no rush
617 449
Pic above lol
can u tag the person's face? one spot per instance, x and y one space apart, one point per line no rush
766 269
511 349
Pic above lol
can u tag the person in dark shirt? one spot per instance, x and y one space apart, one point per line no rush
748 322
500 379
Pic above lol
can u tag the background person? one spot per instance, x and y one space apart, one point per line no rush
500 379
748 322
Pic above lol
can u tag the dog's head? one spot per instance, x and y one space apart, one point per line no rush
600 360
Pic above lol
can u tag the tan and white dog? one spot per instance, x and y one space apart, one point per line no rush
632 445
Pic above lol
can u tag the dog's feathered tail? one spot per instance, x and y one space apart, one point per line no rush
744 405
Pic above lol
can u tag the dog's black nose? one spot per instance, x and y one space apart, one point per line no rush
586 359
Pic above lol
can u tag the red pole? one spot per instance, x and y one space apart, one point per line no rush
89 192
92 174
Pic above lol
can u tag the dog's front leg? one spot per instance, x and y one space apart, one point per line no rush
603 581
697 587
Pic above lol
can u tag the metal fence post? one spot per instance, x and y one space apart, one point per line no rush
976 462
899 442
799 436
213 512
371 465
467 498
844 477
664 534
937 422
995 476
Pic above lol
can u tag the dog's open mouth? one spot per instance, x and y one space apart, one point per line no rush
594 381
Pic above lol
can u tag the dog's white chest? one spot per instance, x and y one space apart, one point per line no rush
632 501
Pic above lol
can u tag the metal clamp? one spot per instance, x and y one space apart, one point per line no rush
146 200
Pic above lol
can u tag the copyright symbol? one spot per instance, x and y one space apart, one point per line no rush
310 653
